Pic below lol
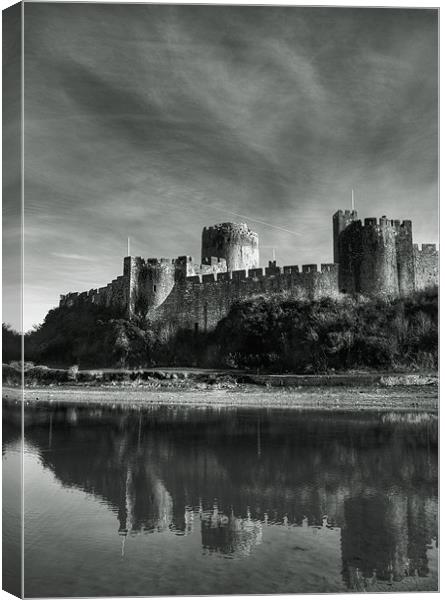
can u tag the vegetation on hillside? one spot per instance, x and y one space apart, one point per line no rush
11 344
278 334
316 336
88 336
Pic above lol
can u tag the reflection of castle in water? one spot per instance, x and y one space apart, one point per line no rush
385 538
229 534
162 471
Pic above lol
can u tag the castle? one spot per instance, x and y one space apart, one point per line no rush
374 258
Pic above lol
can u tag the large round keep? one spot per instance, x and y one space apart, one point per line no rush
233 241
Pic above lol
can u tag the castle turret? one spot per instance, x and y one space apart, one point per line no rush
340 220
349 256
234 242
150 281
405 256
426 266
159 281
374 258
378 271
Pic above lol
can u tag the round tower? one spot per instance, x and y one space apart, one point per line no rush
159 281
233 241
148 282
378 270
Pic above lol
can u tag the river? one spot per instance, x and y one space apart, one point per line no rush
199 500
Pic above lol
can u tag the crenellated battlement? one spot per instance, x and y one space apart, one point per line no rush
373 257
231 227
328 267
426 248
213 260
271 272
350 214
405 224
202 276
377 224
383 222
151 262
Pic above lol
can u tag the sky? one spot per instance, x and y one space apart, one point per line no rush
155 121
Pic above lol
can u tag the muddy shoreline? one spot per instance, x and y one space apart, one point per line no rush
205 387
400 398
194 378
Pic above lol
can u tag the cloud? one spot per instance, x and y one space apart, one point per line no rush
153 121
72 256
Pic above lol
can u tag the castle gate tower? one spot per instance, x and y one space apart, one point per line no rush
340 220
233 241
349 256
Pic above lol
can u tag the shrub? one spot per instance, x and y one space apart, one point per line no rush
72 372
276 334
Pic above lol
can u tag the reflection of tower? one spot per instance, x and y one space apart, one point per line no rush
147 504
230 534
419 535
50 433
189 518
386 536
162 505
368 542
125 516
258 437
71 415
397 517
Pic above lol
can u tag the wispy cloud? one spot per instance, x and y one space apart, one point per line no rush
73 256
153 121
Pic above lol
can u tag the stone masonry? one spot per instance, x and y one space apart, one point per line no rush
376 258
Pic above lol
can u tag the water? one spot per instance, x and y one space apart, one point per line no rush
199 501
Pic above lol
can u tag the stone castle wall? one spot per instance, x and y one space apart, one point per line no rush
114 295
426 266
376 258
198 303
